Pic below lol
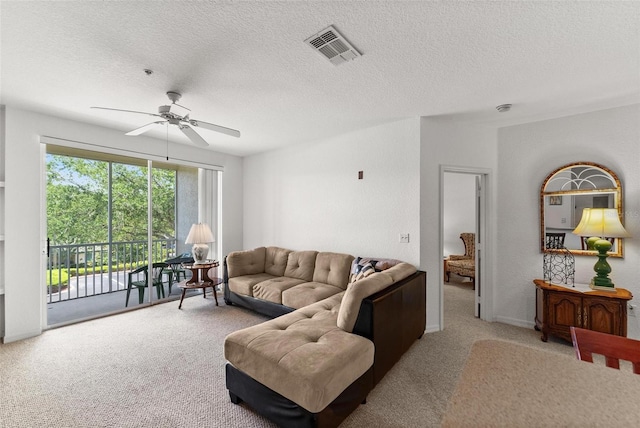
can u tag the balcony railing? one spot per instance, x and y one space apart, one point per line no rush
81 270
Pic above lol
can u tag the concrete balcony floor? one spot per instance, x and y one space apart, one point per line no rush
84 308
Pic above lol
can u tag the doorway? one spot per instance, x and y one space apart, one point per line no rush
464 211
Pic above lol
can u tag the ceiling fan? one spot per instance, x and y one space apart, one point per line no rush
178 115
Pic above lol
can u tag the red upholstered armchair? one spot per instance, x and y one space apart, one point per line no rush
463 265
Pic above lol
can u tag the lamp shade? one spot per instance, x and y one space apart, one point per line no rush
601 222
199 234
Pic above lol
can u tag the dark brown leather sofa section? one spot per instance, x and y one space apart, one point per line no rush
393 319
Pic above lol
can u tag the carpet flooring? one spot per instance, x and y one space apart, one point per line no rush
164 367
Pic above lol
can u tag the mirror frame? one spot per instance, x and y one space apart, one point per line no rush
617 191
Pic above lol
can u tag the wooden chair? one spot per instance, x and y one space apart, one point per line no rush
584 246
158 269
463 265
554 240
614 348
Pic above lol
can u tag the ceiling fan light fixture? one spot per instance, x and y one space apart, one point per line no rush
174 110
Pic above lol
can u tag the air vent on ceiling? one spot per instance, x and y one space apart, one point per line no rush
333 46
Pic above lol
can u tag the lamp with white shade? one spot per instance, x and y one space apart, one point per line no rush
599 224
200 236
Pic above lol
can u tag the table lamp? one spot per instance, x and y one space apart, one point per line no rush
599 224
200 235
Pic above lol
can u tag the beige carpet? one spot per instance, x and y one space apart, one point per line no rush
505 384
163 367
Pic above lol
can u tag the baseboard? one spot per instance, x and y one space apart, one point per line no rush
15 338
515 322
432 328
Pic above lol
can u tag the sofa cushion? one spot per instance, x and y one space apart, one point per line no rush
400 271
302 356
300 265
244 284
248 262
271 289
276 260
333 269
356 291
307 293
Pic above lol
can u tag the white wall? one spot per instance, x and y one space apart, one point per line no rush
450 143
24 244
309 197
459 200
526 155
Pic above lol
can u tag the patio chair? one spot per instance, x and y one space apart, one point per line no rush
175 264
158 269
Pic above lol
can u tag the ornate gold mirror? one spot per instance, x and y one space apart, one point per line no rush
563 196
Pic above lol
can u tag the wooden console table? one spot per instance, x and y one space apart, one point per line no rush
560 307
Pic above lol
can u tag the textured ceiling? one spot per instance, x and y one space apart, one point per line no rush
244 64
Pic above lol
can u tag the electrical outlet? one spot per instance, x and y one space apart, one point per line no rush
632 310
404 238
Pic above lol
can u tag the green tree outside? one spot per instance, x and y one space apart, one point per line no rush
78 202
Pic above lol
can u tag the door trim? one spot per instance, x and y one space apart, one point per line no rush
486 175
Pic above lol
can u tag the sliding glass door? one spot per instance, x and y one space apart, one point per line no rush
103 238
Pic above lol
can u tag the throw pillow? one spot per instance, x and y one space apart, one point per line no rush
358 262
384 264
362 271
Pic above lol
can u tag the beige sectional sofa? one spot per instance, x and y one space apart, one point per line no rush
336 333
294 279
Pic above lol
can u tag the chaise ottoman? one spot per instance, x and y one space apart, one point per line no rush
300 369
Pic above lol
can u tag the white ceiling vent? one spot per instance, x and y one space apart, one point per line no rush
333 46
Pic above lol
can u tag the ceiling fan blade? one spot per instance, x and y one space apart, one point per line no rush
193 135
145 128
128 111
217 128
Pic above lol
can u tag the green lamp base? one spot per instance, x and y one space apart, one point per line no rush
602 281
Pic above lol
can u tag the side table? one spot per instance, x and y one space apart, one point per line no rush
200 279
